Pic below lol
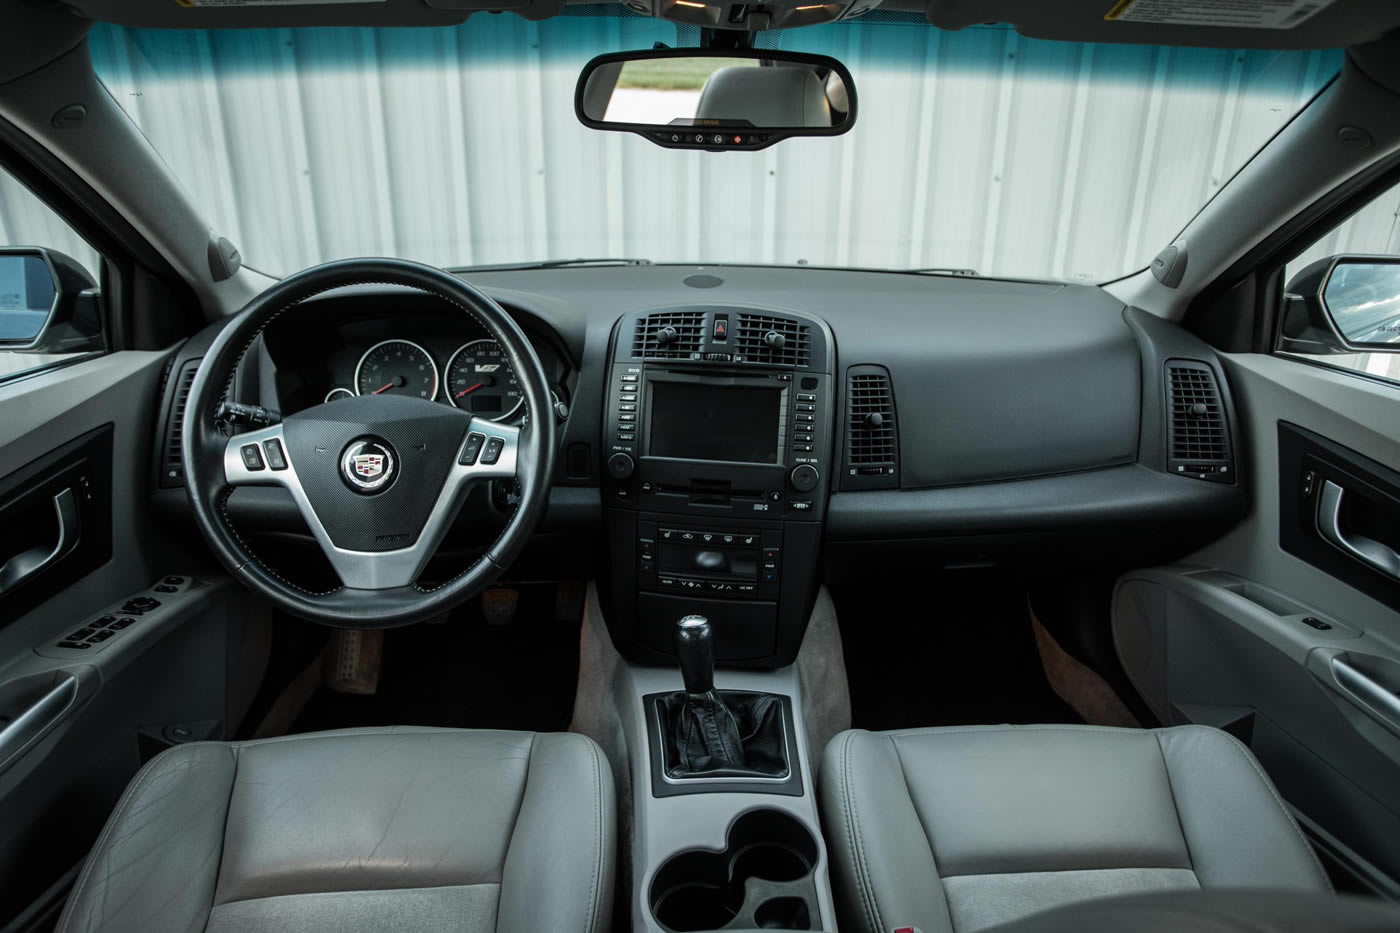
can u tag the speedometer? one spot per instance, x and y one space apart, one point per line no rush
479 380
397 367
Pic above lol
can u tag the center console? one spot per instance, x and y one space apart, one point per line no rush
718 446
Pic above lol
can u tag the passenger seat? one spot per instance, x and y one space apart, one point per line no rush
955 830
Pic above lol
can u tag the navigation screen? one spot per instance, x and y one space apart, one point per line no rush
708 422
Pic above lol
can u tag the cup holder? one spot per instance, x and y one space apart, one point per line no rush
762 879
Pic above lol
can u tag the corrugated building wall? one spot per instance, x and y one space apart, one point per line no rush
979 149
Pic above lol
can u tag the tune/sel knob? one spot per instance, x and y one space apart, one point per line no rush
804 477
620 466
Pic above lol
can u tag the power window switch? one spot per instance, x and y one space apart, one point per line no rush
74 644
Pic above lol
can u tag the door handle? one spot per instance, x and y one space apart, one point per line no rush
1372 553
1375 698
27 563
37 719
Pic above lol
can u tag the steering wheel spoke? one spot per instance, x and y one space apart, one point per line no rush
491 451
257 458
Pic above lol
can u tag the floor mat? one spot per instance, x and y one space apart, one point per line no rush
465 673
956 649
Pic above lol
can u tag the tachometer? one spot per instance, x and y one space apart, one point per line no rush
479 380
400 367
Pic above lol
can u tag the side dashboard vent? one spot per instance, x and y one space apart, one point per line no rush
668 335
1198 437
172 464
872 432
778 341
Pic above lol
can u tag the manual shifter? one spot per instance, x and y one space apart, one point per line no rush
709 736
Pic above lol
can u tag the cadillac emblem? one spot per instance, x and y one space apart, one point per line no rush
367 465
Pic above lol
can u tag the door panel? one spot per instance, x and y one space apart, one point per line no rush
1280 635
75 723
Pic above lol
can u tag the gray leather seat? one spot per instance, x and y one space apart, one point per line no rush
960 829
360 830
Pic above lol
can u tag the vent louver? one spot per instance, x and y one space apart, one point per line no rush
872 438
172 472
1198 439
668 335
780 341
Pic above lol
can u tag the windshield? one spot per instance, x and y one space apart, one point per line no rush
975 150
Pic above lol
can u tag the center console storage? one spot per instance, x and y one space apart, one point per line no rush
764 879
718 445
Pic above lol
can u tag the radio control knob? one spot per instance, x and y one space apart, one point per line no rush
620 466
804 477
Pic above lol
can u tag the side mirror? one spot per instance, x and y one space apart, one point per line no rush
716 99
48 302
1343 304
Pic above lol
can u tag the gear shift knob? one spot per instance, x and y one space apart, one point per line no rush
695 651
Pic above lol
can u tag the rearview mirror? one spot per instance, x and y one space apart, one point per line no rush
1344 304
48 302
716 99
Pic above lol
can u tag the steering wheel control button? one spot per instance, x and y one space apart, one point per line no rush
472 450
368 465
252 457
273 449
492 451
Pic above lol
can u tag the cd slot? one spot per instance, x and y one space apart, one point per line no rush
708 492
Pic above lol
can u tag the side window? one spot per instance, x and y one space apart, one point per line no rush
1342 294
50 305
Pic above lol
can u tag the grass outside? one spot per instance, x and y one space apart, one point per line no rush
675 74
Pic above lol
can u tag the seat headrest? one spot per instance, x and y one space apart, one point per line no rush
765 96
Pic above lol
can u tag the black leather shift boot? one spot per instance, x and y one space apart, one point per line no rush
723 734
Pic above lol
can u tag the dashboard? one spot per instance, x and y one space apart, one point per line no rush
732 437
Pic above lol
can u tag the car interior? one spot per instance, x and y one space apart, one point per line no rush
899 466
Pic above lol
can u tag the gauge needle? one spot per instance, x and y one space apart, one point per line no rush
469 389
383 388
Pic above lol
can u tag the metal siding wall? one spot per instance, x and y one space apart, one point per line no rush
1007 155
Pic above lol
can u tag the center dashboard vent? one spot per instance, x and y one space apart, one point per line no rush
872 433
780 341
1198 438
668 335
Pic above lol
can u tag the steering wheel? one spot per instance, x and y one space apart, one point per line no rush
379 479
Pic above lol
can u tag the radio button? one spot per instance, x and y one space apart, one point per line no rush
629 377
804 477
802 397
628 396
800 505
627 437
806 406
625 417
620 466
625 406
806 416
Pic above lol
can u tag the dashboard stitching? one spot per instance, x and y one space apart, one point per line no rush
228 390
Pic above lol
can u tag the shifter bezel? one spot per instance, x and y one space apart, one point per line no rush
662 785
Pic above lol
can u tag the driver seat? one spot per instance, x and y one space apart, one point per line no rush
397 829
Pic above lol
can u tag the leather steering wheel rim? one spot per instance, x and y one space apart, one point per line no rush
205 448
